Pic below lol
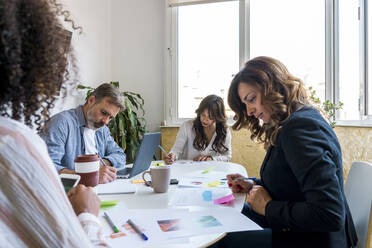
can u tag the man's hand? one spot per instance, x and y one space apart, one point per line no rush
238 184
258 198
107 174
84 200
202 158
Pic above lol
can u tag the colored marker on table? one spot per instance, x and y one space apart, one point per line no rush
137 229
109 221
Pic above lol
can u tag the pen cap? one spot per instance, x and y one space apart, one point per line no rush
144 236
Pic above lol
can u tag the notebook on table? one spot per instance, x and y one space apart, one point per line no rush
119 186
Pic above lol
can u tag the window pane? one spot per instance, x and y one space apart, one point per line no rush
349 59
208 52
369 57
292 31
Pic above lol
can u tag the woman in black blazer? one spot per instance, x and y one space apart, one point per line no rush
300 195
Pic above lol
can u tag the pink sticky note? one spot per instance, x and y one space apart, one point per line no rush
224 200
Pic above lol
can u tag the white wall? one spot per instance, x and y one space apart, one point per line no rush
138 28
123 41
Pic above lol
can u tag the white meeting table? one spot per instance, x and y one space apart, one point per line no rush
145 198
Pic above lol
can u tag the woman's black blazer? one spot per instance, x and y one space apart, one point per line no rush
303 174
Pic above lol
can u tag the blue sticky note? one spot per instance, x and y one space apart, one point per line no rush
207 195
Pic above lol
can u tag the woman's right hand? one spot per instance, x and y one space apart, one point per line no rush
84 200
170 158
238 184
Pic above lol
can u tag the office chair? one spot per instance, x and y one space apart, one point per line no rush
358 191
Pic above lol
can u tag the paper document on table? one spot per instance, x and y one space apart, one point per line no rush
198 196
211 220
163 226
119 186
145 220
207 174
199 182
191 162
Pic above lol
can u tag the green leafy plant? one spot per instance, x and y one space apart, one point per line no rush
128 127
327 106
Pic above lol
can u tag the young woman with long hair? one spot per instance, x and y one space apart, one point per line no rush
206 137
300 194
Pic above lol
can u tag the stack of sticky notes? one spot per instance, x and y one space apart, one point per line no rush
135 181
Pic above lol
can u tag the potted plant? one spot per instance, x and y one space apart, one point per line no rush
128 127
327 107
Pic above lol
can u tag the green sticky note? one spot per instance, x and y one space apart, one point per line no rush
107 204
207 170
159 164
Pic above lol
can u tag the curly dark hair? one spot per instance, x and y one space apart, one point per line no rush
216 109
34 57
281 93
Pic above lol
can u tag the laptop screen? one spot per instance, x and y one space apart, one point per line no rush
144 154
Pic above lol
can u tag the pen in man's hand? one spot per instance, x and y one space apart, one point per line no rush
112 225
103 162
137 229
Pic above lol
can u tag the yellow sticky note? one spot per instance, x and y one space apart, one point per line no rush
134 181
159 164
213 184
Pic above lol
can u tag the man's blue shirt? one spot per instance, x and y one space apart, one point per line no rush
64 136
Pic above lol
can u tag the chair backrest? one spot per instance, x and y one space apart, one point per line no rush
369 234
358 191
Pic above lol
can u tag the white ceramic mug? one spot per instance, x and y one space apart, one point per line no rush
160 178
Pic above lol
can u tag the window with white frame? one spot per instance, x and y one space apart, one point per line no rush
349 60
323 42
292 31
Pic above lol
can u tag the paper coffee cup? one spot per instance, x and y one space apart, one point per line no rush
87 166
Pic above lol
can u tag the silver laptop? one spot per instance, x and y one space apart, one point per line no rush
144 156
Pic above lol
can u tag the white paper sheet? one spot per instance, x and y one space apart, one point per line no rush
212 173
219 220
199 182
198 196
181 224
163 226
145 219
119 186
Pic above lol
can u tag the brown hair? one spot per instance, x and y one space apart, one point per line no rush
34 57
110 91
216 109
281 93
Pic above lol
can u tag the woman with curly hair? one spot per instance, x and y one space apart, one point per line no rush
300 195
34 208
207 137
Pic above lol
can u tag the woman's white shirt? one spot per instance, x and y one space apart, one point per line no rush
34 208
183 147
